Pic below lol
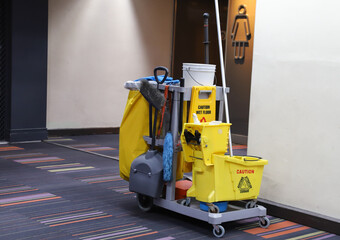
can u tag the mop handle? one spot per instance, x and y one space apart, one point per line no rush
206 37
223 72
166 90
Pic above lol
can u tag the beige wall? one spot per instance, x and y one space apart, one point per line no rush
94 46
295 96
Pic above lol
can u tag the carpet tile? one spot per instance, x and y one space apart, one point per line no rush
38 200
9 148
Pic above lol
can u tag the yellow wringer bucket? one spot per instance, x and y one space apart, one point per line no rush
217 177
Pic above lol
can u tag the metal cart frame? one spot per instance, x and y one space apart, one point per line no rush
192 209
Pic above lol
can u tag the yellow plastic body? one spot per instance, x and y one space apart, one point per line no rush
134 126
203 103
218 177
229 179
214 139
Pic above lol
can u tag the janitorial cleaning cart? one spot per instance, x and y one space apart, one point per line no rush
177 156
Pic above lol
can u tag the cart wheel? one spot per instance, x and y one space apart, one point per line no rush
218 231
186 202
264 222
145 203
214 209
251 204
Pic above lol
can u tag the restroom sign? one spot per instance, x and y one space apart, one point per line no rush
240 33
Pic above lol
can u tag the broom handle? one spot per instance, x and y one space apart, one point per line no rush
153 143
150 120
223 72
166 90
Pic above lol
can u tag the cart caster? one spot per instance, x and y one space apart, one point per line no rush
145 203
264 222
213 208
218 231
186 202
251 204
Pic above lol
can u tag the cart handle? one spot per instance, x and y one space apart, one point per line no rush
160 68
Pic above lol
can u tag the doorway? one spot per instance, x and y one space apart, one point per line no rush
189 48
189 34
238 61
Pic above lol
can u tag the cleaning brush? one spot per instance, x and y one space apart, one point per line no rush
151 94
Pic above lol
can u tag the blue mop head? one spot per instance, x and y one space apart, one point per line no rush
167 157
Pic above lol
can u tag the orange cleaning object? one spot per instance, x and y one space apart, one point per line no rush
182 188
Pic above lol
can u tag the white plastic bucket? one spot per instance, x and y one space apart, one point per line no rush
196 74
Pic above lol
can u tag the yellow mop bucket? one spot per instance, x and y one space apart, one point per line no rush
217 177
229 179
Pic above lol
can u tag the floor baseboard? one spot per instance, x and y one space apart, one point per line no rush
304 217
82 131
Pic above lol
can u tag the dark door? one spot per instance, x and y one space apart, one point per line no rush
238 50
189 33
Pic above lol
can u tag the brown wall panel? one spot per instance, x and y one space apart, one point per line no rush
238 71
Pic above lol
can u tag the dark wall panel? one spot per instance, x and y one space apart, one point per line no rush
28 70
4 65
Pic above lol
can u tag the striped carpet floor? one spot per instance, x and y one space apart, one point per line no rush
50 192
106 144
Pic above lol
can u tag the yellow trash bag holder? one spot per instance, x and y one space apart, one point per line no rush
135 125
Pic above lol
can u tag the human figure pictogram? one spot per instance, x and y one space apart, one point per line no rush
240 33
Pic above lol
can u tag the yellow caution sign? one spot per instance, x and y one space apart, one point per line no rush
203 103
